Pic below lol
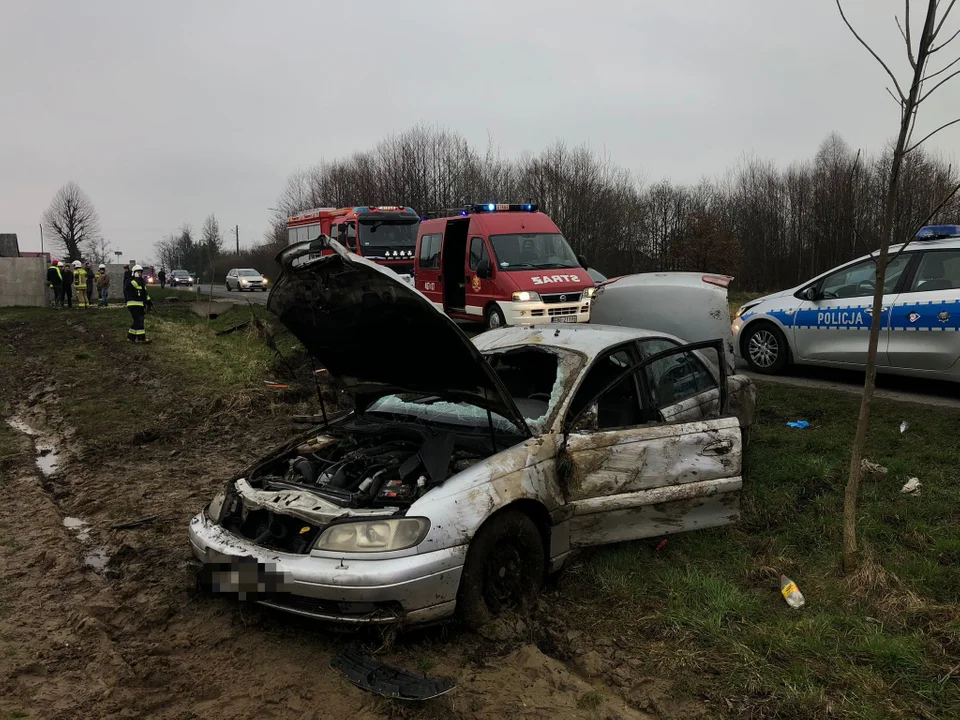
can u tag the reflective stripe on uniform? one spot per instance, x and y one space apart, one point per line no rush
134 303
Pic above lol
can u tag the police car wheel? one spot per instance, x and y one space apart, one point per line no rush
765 349
495 318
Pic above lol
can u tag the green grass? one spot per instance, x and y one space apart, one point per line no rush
112 389
590 700
878 644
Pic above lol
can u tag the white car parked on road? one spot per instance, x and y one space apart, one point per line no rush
826 320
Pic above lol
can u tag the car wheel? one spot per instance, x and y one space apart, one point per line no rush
765 349
227 286
495 318
504 569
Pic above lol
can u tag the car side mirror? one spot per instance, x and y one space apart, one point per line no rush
484 271
811 294
583 262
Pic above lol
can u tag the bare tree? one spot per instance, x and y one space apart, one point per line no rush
910 102
72 220
99 250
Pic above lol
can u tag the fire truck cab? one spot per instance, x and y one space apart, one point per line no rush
385 234
502 264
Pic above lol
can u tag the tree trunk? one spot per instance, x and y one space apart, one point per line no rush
852 491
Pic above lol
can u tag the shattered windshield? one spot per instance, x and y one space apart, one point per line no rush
432 409
535 378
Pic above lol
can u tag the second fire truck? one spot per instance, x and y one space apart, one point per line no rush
385 234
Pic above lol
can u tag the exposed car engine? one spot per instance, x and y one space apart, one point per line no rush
355 469
361 471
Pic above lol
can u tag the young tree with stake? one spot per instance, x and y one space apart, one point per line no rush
919 57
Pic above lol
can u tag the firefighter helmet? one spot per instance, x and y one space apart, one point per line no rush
102 267
77 263
136 268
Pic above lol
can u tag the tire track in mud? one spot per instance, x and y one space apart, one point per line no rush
135 642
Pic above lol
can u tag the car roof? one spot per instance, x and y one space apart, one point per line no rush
590 340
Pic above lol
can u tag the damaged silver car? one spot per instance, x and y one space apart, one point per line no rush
468 470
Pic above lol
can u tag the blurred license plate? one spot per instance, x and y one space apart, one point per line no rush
245 577
564 318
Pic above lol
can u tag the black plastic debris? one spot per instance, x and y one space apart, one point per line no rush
369 674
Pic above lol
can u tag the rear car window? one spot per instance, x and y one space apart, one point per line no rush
937 271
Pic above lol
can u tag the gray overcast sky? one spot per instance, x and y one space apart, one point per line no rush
164 112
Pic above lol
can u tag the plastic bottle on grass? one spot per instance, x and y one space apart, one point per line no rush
791 593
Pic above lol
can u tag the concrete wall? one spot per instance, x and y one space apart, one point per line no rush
23 282
9 247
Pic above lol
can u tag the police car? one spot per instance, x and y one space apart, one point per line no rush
826 320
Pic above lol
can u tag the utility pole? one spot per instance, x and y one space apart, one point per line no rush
41 238
238 239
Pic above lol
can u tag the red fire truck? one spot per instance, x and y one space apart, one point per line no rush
385 234
503 264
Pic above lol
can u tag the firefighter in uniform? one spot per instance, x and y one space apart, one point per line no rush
55 281
80 283
138 302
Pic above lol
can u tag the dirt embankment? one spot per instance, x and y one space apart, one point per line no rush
104 623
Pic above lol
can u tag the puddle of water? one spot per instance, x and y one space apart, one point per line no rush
48 457
80 527
18 424
96 559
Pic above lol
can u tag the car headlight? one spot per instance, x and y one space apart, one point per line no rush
373 535
265 281
244 282
216 506
589 292
745 308
526 296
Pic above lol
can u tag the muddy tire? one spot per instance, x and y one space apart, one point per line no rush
495 318
227 286
765 348
504 569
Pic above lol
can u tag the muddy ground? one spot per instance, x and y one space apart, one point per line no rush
103 623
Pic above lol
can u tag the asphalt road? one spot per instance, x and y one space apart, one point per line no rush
889 387
219 291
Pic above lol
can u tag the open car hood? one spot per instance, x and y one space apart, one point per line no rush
376 335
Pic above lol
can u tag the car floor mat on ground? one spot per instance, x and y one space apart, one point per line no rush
369 674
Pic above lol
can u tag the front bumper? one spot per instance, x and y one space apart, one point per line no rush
411 589
541 313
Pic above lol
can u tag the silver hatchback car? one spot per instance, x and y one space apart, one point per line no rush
467 470
826 320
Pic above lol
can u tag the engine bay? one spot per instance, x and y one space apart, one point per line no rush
350 467
354 469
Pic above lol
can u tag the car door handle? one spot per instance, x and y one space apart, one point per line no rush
721 447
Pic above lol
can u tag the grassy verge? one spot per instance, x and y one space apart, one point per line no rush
882 643
113 392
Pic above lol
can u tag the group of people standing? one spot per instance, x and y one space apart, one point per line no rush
76 279
67 280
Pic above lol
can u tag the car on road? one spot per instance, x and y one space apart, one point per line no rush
179 278
467 471
826 320
245 279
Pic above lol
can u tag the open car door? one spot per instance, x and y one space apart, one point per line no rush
634 467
